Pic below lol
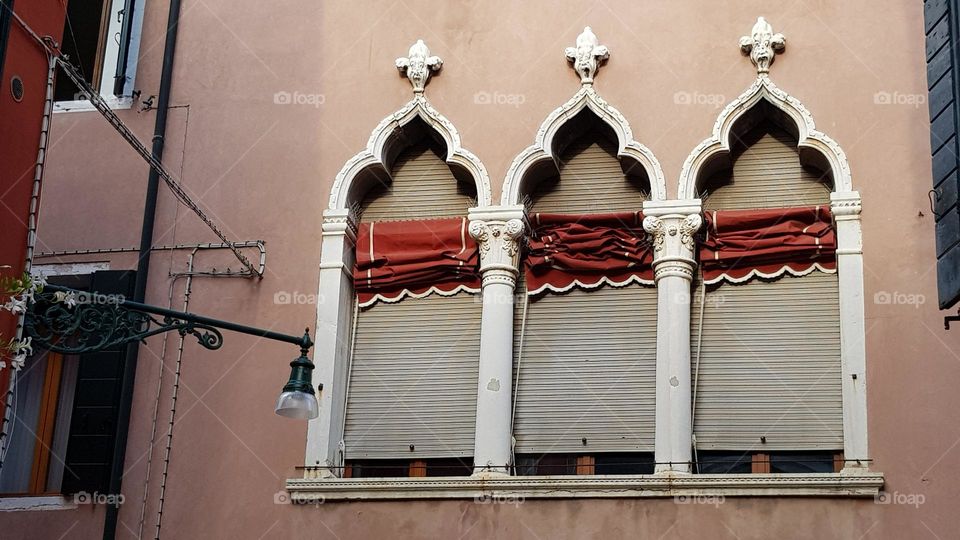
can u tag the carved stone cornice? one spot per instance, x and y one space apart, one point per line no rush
499 243
418 65
762 45
310 490
339 222
587 56
846 205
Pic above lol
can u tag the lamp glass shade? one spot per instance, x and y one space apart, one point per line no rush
297 404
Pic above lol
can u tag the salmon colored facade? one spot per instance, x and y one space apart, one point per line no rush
264 169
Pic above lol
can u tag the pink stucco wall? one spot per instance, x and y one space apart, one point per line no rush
264 171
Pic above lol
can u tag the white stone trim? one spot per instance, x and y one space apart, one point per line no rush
542 149
335 303
498 231
382 140
809 138
492 488
814 146
83 105
46 502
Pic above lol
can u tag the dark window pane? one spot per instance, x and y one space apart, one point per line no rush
450 467
623 463
380 468
805 462
724 462
546 464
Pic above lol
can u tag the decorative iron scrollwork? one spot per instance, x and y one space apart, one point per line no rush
95 322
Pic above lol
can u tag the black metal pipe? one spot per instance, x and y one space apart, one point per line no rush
143 268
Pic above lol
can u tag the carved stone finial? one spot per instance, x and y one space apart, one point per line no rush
418 64
762 45
587 55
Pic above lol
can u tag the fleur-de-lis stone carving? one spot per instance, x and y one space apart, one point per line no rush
418 65
762 45
587 55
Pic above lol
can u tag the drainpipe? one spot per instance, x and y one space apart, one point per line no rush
143 268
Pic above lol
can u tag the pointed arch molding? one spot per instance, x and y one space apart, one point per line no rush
809 138
542 149
378 147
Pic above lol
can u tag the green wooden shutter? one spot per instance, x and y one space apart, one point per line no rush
93 423
941 25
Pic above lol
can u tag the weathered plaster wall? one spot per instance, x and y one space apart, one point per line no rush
264 171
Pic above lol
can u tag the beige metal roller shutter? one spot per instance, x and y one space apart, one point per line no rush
588 364
767 174
413 380
587 371
423 187
591 181
414 370
769 365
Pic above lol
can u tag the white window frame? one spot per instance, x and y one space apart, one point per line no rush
672 224
335 299
110 58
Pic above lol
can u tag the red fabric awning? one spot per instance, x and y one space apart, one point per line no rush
587 251
742 244
414 258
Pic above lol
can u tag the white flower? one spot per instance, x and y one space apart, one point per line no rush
16 306
17 361
68 298
2 365
24 346
37 282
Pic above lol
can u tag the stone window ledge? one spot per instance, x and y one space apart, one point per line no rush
45 502
844 484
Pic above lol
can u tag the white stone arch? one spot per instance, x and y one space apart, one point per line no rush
818 149
543 149
383 144
814 147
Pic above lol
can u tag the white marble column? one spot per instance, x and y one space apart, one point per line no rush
846 211
497 231
672 225
331 354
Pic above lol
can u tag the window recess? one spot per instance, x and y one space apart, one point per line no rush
101 39
584 347
412 379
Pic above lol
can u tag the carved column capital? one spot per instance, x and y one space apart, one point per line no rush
673 243
499 243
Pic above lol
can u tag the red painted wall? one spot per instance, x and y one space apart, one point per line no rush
20 124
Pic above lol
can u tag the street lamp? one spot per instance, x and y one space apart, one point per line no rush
298 400
61 323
